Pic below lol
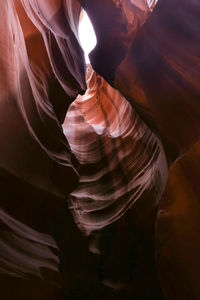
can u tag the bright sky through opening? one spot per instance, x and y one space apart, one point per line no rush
87 35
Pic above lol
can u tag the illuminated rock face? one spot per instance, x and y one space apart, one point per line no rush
109 160
121 160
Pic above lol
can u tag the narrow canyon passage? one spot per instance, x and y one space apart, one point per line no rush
100 155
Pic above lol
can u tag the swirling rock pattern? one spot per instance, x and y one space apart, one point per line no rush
34 154
120 157
117 136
